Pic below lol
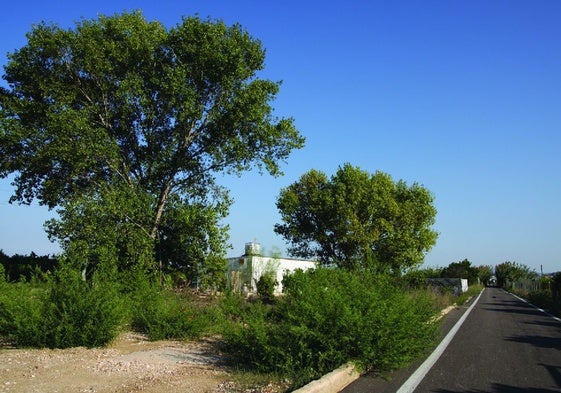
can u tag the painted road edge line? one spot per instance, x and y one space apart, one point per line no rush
415 379
536 307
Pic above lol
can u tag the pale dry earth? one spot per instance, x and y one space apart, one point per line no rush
131 364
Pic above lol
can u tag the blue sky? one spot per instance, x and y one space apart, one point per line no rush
463 97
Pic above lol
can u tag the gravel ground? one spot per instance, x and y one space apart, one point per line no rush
130 364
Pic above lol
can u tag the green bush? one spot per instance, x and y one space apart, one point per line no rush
233 307
556 292
266 288
541 298
80 313
328 317
163 314
21 314
64 312
544 299
2 273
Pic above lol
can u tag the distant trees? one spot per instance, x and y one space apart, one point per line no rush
512 271
484 273
357 220
25 267
122 125
462 269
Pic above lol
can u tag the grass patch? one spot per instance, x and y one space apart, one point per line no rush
472 291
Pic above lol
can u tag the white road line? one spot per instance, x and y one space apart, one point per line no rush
415 379
536 307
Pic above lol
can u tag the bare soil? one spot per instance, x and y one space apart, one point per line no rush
131 364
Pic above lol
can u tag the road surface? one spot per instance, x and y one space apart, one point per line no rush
503 346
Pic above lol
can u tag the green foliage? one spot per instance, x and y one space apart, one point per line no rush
462 269
548 296
2 273
357 220
556 289
124 125
78 313
417 278
484 273
543 299
101 232
192 242
509 272
67 311
472 291
64 312
21 313
328 317
162 314
265 286
26 267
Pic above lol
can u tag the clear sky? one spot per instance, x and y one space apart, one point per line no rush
463 97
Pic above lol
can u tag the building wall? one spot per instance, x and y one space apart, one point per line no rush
458 285
243 272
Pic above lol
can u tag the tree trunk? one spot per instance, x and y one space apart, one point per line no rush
160 209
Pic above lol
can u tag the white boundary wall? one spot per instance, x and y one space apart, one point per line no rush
252 267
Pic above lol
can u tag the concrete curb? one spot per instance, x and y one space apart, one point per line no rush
338 379
333 382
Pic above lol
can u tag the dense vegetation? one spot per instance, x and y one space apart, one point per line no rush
543 291
328 317
325 318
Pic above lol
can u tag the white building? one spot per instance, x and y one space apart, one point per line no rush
243 272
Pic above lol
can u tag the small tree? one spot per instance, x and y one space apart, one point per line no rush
266 283
265 286
357 220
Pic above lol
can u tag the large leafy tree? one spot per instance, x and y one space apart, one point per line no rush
357 220
120 107
509 272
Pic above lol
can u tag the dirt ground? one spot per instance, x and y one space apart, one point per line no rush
130 364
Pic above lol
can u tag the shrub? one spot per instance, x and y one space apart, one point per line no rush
21 314
80 313
556 292
163 314
541 298
266 288
64 312
328 317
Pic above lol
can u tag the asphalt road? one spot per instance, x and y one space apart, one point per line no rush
504 346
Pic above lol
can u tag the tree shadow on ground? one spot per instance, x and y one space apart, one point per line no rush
538 341
501 388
